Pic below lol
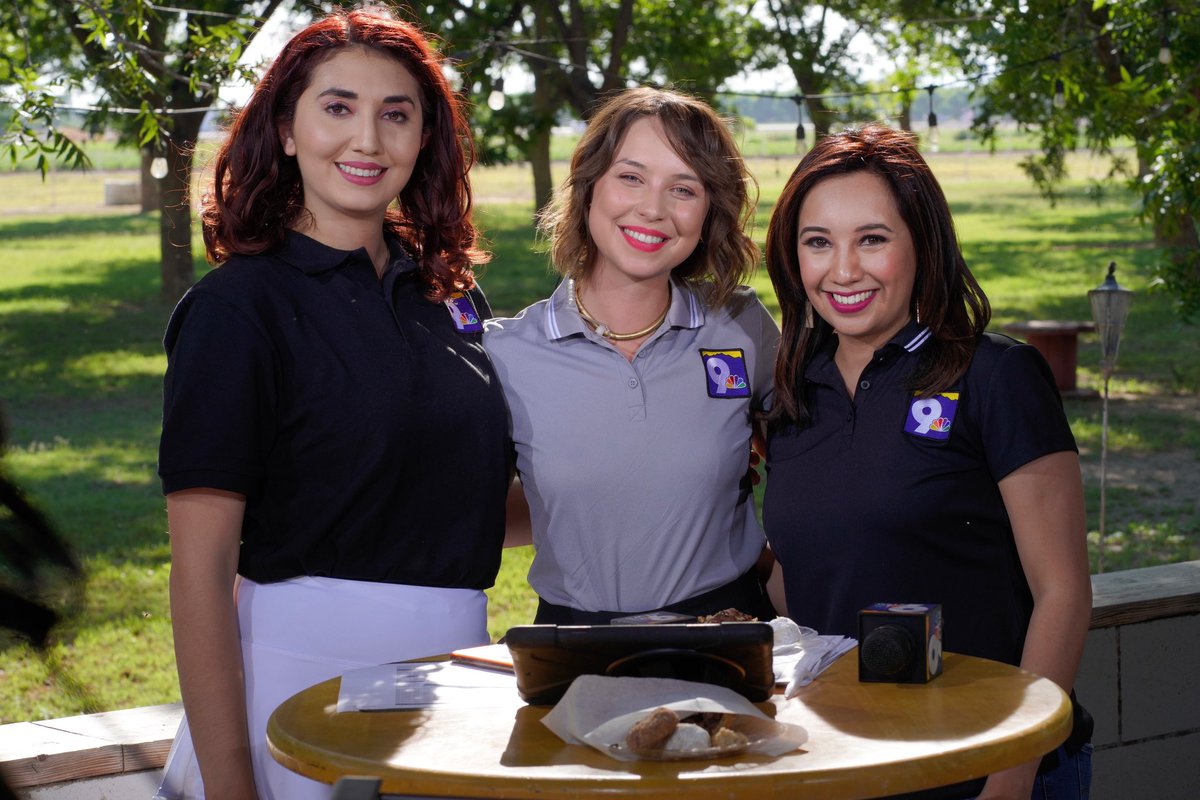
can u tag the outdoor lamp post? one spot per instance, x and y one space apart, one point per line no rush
1110 305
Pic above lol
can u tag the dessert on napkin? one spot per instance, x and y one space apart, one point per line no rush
601 712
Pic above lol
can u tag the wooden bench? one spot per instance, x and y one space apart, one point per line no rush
87 746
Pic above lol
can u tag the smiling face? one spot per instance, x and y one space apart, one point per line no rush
356 134
857 260
647 210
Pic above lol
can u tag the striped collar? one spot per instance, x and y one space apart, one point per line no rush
916 340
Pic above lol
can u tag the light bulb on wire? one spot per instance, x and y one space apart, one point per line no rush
158 168
1060 94
934 136
1164 53
495 100
801 135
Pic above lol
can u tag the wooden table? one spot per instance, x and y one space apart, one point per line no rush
1058 342
865 740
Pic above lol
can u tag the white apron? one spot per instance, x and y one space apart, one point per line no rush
303 631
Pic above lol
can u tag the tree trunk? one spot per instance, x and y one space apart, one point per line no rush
544 106
904 120
175 224
539 160
822 116
150 188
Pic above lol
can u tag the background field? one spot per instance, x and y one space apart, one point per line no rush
81 365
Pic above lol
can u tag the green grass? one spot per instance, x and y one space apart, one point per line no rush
81 367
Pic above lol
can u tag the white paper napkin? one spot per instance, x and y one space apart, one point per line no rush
800 654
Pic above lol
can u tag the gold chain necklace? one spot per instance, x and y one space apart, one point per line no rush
611 335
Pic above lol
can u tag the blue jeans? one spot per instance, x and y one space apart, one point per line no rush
1070 780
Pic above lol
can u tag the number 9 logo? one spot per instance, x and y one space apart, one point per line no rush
933 655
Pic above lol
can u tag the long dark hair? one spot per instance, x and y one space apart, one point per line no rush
946 297
726 256
257 192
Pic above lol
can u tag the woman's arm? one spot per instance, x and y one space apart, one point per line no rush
205 526
518 530
1044 501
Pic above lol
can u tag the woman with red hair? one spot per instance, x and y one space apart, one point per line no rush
334 450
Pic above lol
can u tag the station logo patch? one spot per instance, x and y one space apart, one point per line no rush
932 417
725 373
462 311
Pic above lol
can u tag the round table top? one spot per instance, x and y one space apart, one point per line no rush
864 740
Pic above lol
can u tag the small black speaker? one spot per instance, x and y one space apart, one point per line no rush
900 642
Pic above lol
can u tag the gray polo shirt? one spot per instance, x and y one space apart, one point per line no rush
634 470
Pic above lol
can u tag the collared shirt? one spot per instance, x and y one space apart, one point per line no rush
365 430
634 469
887 497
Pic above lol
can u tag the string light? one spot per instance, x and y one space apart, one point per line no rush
495 99
1164 51
1060 94
934 137
801 140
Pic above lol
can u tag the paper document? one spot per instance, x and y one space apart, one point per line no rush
420 685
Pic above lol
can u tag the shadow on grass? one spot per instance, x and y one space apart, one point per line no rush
97 224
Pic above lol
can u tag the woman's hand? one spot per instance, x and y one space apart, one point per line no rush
1011 784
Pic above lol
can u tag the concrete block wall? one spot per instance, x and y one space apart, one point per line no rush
1140 679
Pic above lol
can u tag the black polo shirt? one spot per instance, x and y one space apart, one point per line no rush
890 498
368 434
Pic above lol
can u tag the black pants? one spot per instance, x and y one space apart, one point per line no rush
746 594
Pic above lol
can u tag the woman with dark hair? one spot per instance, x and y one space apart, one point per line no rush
334 452
631 389
911 456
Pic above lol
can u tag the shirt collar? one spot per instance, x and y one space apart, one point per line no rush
563 319
312 257
909 339
912 337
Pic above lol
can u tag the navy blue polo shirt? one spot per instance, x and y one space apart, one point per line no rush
367 432
891 498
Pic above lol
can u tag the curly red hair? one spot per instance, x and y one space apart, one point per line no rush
257 192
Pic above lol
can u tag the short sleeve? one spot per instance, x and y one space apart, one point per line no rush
1023 416
757 321
218 399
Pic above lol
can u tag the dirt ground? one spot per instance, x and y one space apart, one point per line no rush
1149 487
1170 474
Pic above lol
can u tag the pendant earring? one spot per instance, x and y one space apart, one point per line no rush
808 315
